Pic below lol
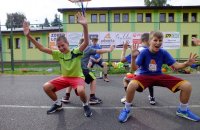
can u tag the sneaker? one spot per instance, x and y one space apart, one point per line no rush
123 116
123 100
152 100
94 100
54 108
106 79
87 111
65 99
188 115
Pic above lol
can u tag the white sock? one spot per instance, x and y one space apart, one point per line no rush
183 107
85 104
127 106
58 102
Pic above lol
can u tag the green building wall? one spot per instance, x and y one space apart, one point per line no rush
185 28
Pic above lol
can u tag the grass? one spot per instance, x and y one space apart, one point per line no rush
54 69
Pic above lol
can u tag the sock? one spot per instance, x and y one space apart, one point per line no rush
127 106
92 95
85 104
125 88
68 94
183 107
58 102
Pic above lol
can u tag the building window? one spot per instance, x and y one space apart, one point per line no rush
185 40
30 44
17 43
148 17
125 18
171 17
185 17
116 18
162 17
71 19
94 18
194 17
140 17
102 18
9 43
192 41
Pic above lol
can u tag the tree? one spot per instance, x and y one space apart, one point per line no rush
156 3
56 21
46 23
15 19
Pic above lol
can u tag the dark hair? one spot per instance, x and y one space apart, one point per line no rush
145 37
62 37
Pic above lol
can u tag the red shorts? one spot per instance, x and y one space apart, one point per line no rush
162 80
63 82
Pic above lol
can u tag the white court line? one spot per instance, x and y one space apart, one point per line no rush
97 108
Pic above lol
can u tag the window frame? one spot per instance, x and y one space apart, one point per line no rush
17 43
73 21
92 18
123 17
185 40
147 17
100 18
169 18
141 17
184 19
116 21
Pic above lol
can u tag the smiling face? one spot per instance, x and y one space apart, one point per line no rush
155 41
62 44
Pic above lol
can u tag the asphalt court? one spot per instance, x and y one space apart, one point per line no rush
23 106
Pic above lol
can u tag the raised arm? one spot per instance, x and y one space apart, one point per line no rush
134 54
82 20
125 47
101 51
196 41
26 30
191 60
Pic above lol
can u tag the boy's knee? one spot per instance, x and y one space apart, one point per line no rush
47 87
187 86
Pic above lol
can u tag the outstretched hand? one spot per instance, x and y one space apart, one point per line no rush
196 41
81 19
134 50
192 59
112 47
26 28
125 45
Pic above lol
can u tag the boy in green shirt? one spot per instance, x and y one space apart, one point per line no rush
70 61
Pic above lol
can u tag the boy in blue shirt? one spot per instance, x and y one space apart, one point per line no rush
150 62
97 59
127 78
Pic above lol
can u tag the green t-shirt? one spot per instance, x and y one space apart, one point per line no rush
69 67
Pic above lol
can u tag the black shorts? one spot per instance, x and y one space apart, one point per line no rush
98 63
89 76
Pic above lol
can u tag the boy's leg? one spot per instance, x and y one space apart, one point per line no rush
125 83
183 110
49 90
93 99
105 70
124 114
151 96
83 98
65 98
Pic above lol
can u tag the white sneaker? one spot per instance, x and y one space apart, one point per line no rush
152 100
123 100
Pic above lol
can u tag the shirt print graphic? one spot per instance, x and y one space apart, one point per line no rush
152 65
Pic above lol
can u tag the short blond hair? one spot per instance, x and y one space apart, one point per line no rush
157 34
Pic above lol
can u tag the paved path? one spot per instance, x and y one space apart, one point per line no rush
23 106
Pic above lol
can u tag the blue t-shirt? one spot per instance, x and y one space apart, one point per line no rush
97 46
151 63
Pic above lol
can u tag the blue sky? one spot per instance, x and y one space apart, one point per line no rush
37 10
